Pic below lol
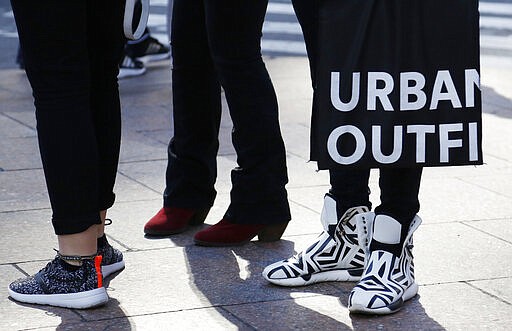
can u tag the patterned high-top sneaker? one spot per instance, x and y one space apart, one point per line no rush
334 256
388 280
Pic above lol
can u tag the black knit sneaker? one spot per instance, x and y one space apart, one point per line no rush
148 50
130 67
62 285
112 258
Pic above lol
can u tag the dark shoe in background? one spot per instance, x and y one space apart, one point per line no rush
173 220
226 233
130 67
149 49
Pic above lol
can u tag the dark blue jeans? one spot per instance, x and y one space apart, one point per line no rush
216 43
399 187
71 50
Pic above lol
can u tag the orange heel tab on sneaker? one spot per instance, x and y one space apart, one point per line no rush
97 266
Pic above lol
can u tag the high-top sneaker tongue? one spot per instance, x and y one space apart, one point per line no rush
386 230
329 215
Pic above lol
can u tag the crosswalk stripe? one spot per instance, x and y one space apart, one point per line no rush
281 46
282 27
496 22
496 42
280 8
495 8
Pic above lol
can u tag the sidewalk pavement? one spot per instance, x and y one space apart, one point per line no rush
463 250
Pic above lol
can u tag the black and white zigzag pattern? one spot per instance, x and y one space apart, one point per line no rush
323 256
387 280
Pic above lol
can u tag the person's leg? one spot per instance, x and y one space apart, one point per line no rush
106 40
60 79
191 168
335 255
399 200
307 15
258 194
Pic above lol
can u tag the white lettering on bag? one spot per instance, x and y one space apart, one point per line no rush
335 92
445 143
376 145
416 90
412 95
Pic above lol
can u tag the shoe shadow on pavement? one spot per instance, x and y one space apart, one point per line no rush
87 319
229 279
495 103
412 316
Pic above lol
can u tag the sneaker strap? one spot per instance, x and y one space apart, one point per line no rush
38 278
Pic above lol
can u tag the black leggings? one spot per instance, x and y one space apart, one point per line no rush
399 187
71 51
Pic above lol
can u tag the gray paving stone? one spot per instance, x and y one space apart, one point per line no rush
152 173
499 182
501 288
453 252
296 139
20 153
149 173
11 128
458 306
497 140
194 319
304 174
26 117
318 312
30 238
189 278
142 118
138 147
500 228
492 166
128 189
24 189
329 312
452 199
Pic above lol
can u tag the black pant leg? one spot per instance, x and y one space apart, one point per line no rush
399 194
54 38
258 193
191 169
106 39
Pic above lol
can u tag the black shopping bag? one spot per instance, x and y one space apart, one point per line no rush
398 84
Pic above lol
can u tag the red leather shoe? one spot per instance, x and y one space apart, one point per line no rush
173 220
225 233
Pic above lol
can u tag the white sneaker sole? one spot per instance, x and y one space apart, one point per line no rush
392 308
80 300
319 277
125 73
107 270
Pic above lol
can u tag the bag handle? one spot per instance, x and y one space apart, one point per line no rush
128 19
